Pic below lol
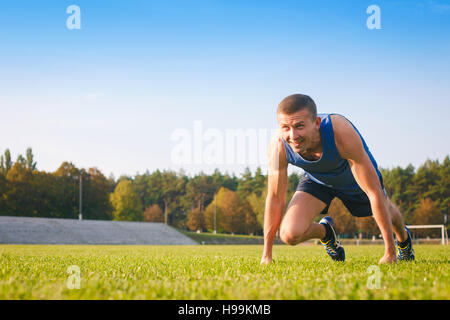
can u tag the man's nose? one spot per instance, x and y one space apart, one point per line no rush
292 134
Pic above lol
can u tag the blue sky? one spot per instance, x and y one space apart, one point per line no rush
111 94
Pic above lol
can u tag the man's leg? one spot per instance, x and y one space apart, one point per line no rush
359 206
404 242
398 224
298 223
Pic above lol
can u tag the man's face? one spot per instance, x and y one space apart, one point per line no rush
298 129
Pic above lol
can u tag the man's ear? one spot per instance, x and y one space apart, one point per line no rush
318 122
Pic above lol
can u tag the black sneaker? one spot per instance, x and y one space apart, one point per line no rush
333 246
406 253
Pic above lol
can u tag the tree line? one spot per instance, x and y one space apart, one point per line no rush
206 202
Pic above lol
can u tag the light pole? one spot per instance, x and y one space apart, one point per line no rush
214 213
80 215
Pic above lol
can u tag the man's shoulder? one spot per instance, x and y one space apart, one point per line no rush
276 151
340 123
337 118
345 134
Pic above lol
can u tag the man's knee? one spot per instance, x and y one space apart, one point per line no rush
291 237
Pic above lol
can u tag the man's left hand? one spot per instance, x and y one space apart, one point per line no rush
388 259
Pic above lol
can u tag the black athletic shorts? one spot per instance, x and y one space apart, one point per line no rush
358 204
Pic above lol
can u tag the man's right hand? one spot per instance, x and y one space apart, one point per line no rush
266 260
277 182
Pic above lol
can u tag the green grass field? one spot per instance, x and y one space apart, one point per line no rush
218 272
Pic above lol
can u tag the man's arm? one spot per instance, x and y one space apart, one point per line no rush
350 147
276 194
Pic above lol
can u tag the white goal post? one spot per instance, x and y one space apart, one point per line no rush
433 226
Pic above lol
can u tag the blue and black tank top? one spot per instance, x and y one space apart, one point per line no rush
330 170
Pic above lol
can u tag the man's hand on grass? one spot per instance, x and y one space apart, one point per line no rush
388 259
266 260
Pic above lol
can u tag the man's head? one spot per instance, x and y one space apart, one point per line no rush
298 121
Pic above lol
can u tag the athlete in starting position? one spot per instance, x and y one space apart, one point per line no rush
337 163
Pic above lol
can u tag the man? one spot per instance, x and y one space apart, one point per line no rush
337 163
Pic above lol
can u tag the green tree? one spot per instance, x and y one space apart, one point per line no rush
30 163
46 194
65 190
142 187
293 180
173 188
96 200
246 184
21 160
397 183
198 193
443 188
8 163
152 189
259 182
2 165
230 182
126 202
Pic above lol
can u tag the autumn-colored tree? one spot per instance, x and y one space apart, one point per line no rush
233 213
209 212
427 213
3 200
20 193
26 191
258 206
196 220
345 223
153 213
368 226
252 225
126 203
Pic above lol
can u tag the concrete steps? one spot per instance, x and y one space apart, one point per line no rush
26 230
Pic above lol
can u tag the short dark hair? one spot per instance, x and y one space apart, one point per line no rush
295 102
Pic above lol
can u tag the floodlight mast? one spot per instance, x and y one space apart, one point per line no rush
80 214
215 213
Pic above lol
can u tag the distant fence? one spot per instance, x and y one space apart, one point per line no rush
381 242
224 239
